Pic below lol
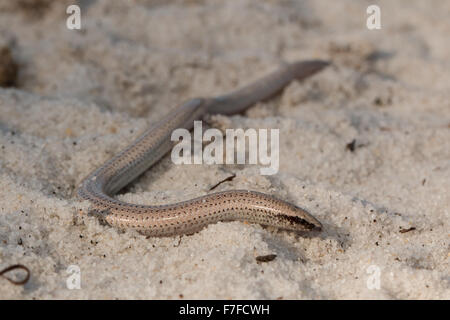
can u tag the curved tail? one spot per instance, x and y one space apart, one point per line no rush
264 88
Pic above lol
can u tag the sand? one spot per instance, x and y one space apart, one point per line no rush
364 146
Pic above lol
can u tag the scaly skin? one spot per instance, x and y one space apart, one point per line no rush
191 216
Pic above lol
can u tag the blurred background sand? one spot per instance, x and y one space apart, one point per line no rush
364 146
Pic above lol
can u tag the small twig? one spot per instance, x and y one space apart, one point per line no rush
230 178
16 266
266 258
351 146
407 230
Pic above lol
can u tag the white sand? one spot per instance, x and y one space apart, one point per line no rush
81 96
